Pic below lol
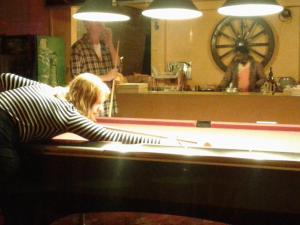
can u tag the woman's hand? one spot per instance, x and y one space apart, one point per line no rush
120 79
113 75
170 141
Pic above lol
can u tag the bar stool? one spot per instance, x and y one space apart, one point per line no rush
130 218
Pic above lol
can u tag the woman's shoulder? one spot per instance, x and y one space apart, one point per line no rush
80 43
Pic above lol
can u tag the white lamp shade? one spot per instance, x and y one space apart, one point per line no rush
246 8
101 11
172 10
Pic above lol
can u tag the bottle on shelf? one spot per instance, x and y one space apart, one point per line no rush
273 84
270 86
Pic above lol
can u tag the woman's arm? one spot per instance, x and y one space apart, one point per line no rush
10 81
108 40
84 127
112 75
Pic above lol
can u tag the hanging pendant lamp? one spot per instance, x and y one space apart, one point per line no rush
172 10
250 8
100 11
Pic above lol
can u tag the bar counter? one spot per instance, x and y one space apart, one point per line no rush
210 106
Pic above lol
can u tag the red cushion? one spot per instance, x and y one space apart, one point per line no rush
132 218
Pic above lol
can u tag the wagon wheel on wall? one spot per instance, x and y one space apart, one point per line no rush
253 33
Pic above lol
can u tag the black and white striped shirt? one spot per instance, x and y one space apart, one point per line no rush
39 115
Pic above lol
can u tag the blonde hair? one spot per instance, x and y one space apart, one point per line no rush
84 91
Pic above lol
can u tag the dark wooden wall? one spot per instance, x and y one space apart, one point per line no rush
24 17
132 36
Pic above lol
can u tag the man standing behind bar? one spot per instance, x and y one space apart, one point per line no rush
243 73
95 53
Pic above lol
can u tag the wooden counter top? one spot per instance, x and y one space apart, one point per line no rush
210 106
208 93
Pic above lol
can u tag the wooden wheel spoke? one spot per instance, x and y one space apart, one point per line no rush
242 28
251 29
227 36
225 46
256 35
257 53
258 44
233 30
226 54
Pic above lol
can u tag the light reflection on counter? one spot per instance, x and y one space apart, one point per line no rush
192 150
